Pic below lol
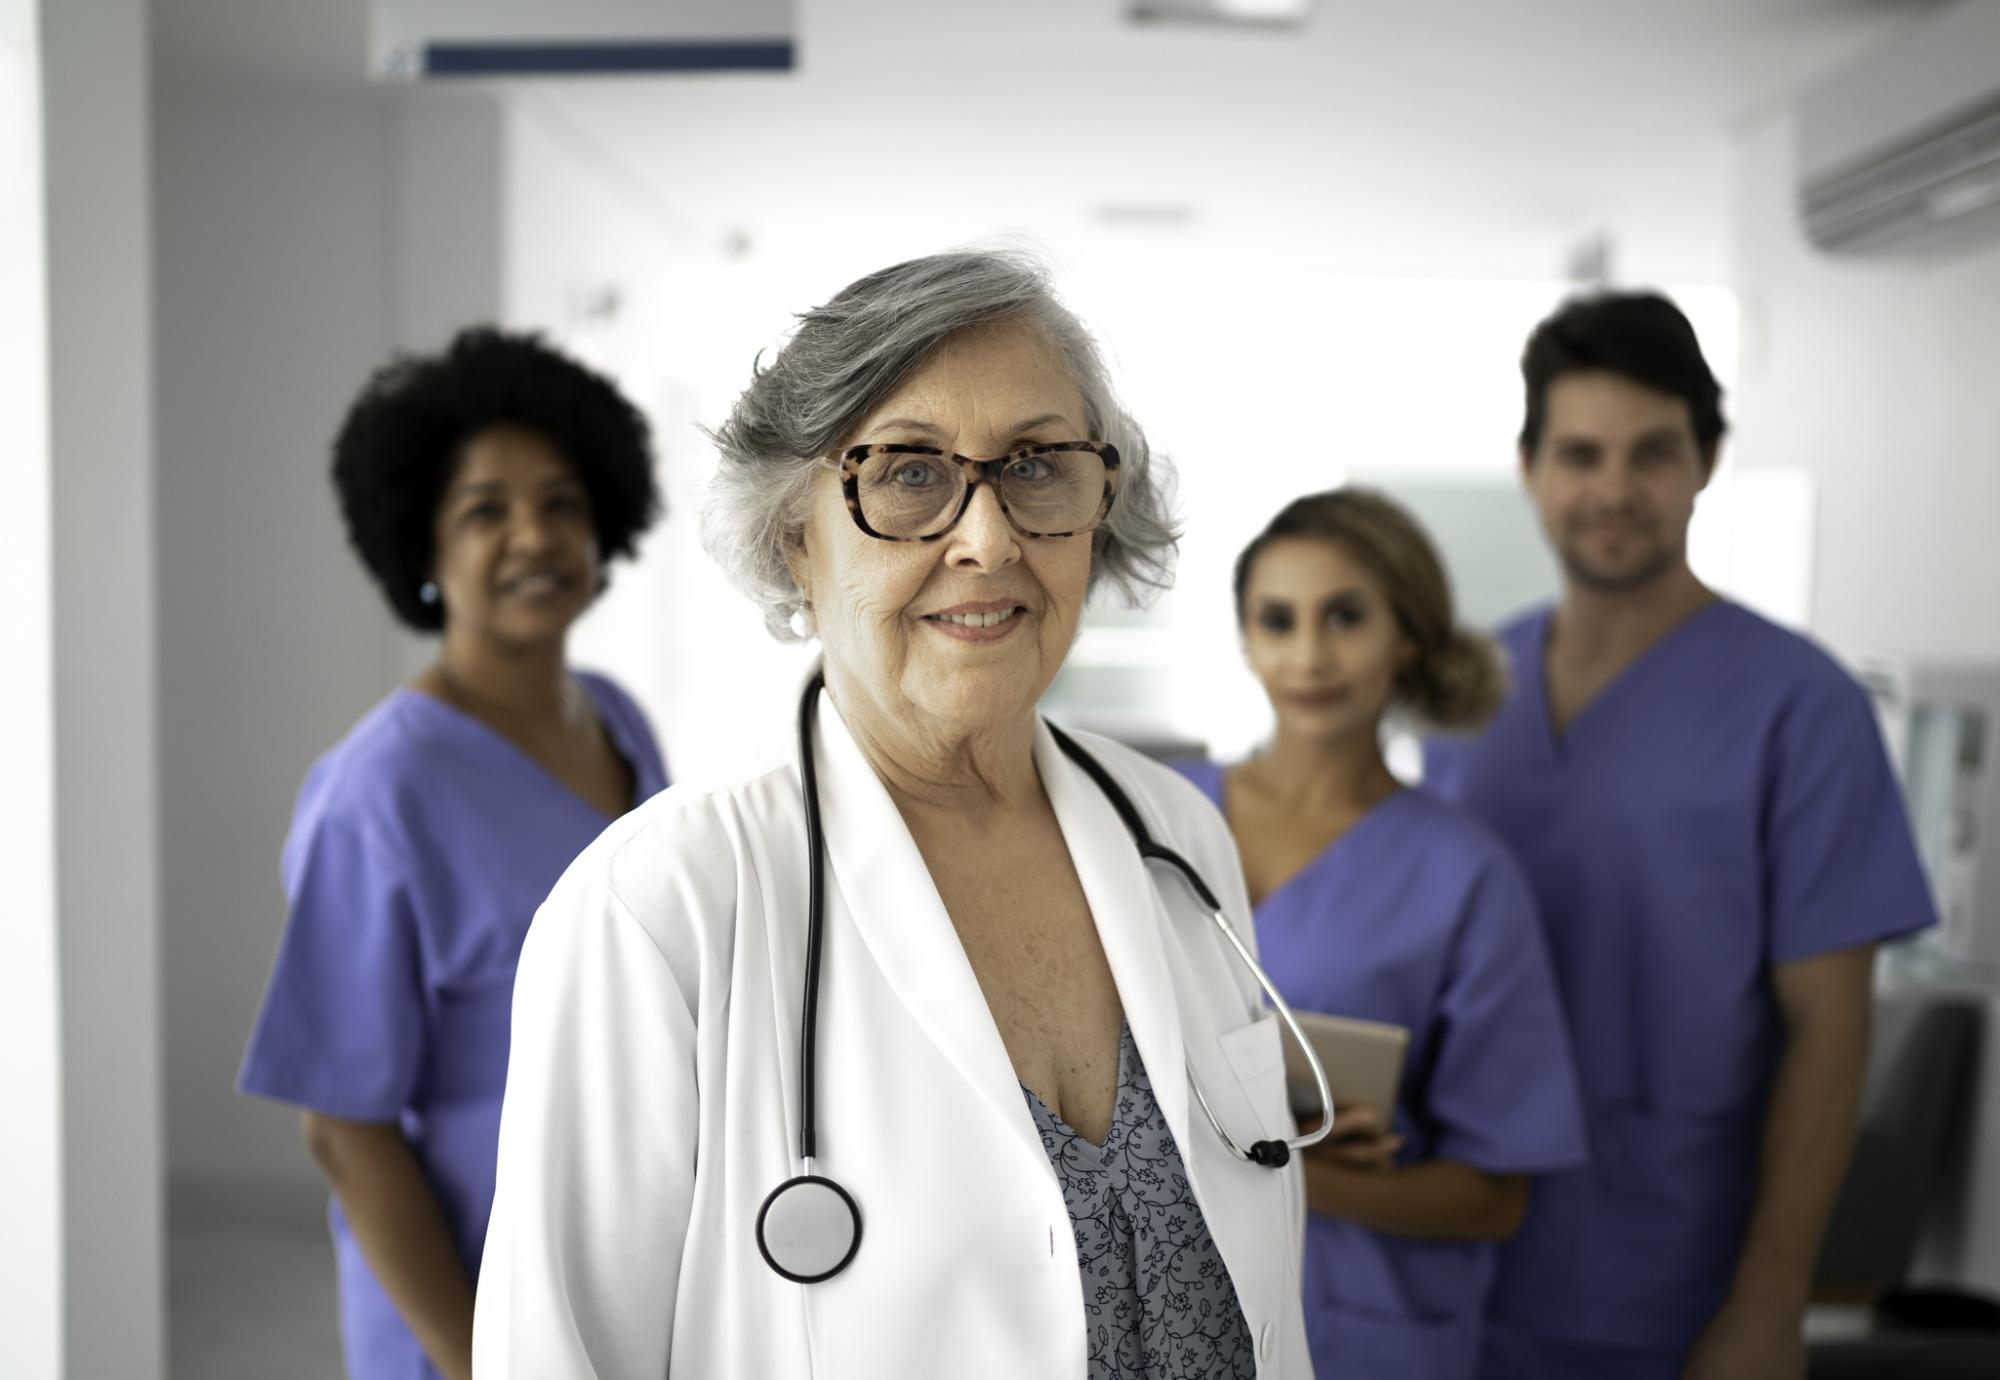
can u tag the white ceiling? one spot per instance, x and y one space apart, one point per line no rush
1460 136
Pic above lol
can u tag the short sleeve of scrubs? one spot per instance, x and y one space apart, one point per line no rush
342 1026
1502 1091
1842 868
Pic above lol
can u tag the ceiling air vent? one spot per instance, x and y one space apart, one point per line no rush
414 40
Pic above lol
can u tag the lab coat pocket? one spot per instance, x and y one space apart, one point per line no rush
1256 1056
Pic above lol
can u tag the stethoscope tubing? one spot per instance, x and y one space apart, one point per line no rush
1269 1152
816 908
1272 1153
1284 1010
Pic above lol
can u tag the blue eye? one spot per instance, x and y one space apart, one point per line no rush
1028 469
917 475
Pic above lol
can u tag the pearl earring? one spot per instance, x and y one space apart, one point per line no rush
427 593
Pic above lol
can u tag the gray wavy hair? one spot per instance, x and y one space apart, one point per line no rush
845 357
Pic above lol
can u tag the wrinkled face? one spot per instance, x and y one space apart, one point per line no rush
1614 479
963 633
1319 632
516 543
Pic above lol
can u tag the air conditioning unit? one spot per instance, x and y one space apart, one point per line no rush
410 40
1902 151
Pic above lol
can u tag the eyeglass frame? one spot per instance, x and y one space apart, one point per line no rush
976 472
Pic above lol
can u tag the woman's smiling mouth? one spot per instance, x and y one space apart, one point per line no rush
540 585
983 622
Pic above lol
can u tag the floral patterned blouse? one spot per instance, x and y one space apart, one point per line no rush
1157 1300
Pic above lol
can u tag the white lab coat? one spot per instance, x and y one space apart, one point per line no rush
652 1095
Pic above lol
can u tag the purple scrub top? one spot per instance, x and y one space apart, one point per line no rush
1417 916
420 847
1722 807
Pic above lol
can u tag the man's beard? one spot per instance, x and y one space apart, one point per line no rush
1657 564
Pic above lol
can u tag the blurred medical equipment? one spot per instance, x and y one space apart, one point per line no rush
1941 721
1910 1140
1912 1155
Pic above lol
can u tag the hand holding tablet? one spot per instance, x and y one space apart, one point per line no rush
1363 1060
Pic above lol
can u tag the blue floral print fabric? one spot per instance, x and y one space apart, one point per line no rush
1158 1303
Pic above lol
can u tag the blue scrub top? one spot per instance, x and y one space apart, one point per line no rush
1417 916
1722 807
420 847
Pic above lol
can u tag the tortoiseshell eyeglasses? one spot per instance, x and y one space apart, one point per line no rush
900 492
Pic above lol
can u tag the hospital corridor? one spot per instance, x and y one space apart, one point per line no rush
1094 689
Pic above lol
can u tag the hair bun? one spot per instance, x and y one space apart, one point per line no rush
1460 684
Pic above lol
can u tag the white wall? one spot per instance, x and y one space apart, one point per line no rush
31 1246
447 147
1877 377
100 358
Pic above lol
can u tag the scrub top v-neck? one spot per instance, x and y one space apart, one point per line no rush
1417 916
420 847
1531 688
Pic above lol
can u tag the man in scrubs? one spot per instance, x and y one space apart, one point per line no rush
1708 819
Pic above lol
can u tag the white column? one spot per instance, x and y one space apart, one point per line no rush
96 140
31 1281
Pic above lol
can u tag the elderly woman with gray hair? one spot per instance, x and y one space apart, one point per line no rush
933 1044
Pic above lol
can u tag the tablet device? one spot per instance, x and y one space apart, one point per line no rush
1363 1059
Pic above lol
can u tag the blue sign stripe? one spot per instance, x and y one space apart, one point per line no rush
564 59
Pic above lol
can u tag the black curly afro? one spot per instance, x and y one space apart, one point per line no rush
400 444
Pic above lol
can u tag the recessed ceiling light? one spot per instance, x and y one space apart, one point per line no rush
1254 13
1158 215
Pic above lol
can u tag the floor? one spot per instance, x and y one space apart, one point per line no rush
250 1286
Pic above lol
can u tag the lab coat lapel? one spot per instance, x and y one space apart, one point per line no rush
1129 910
890 898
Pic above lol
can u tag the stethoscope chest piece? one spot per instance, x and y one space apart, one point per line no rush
808 1229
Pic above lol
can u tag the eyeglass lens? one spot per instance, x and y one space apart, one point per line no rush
904 495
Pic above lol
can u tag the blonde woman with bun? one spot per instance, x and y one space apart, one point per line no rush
1374 899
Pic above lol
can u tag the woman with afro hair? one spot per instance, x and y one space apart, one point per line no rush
484 489
1379 901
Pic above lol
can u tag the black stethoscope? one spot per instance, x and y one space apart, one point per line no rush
809 1227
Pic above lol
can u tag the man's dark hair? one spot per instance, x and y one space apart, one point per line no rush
402 439
1640 335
